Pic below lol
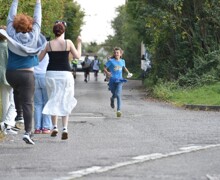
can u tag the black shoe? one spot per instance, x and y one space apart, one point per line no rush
54 132
19 119
64 134
112 103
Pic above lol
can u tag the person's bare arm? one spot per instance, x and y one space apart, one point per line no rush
106 71
126 70
76 52
42 53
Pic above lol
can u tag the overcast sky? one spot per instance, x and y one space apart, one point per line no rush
98 17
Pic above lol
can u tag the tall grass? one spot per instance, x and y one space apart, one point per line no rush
202 95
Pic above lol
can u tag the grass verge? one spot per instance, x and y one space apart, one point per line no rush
204 95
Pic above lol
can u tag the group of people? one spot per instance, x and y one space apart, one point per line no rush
25 76
89 65
37 70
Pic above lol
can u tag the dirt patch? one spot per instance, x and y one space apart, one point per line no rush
1 136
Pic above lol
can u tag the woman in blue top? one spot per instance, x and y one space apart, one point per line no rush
24 43
116 65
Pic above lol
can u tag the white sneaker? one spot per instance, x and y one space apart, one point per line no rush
129 75
10 131
27 139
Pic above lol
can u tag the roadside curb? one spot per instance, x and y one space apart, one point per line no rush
202 107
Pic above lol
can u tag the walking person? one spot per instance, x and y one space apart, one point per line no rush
106 76
8 106
96 66
116 65
59 78
42 122
74 63
24 43
86 67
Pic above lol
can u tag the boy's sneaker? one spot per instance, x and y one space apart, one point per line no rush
54 132
64 134
45 131
118 113
27 139
112 103
10 131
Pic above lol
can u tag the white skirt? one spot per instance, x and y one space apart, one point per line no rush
60 90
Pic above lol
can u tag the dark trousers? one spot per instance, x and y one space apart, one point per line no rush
22 82
86 72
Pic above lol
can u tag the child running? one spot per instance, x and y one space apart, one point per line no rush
114 69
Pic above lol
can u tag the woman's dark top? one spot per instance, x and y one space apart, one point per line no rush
58 60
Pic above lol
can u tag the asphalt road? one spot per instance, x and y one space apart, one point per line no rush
151 141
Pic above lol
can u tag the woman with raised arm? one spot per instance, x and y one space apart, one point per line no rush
59 78
24 44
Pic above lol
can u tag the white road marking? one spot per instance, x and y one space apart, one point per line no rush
136 160
213 177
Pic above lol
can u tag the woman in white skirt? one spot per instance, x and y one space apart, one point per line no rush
59 78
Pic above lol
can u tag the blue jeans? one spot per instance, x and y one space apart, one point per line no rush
40 99
116 89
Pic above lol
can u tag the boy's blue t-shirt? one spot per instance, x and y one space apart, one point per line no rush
116 67
18 62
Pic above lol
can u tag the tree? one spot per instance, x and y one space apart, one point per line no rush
181 35
74 18
125 37
52 10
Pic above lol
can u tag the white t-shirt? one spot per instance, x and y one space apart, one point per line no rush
96 65
41 68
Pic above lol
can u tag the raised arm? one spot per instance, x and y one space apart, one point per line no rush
76 52
38 13
12 11
11 14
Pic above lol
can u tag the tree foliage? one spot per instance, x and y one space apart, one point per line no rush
182 37
125 37
52 10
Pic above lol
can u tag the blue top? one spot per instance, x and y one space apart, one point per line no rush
19 62
116 67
